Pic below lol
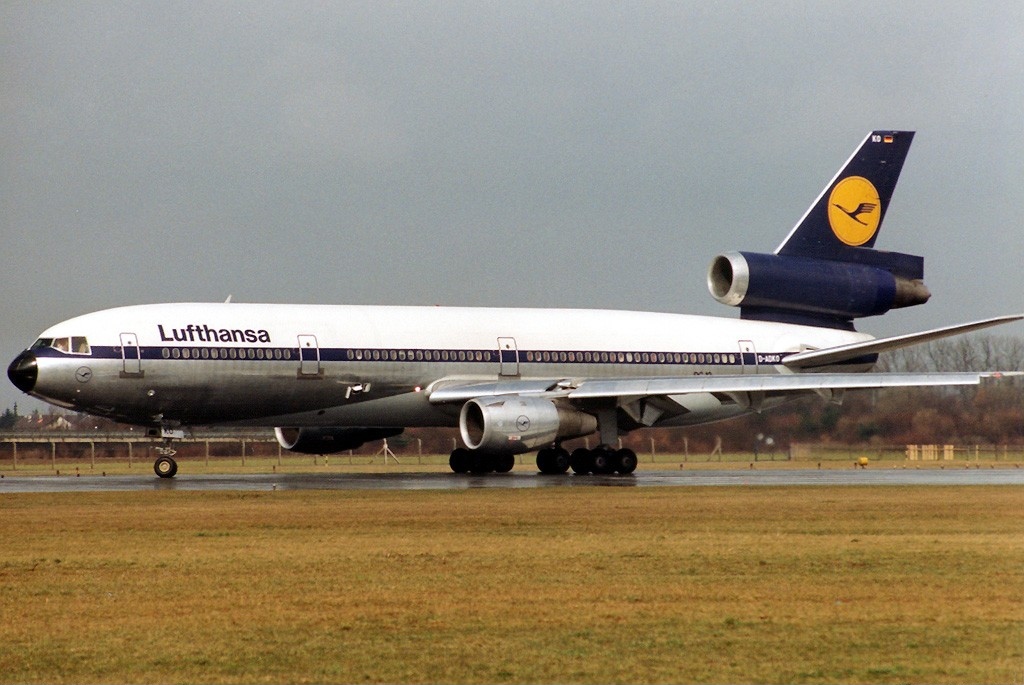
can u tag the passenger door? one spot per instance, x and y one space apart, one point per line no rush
748 355
508 354
309 357
131 357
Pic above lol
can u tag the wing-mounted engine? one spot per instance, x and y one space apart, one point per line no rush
817 292
329 439
510 423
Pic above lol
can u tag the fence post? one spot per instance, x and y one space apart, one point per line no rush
53 454
92 455
129 454
15 443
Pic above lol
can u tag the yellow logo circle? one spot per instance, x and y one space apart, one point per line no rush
854 210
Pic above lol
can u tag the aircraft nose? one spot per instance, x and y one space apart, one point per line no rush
24 371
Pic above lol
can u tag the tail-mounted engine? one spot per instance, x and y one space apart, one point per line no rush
519 424
329 439
817 292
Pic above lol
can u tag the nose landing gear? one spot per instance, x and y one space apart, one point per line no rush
165 466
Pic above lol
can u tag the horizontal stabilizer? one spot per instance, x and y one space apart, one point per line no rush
841 353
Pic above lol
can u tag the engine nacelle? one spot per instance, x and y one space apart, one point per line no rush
768 286
329 439
508 423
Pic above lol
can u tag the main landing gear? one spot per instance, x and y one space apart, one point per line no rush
603 460
550 461
467 461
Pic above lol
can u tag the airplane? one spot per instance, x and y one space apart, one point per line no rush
329 378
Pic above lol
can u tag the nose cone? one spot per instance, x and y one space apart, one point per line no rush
23 371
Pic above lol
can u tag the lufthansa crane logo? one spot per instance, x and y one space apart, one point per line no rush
854 210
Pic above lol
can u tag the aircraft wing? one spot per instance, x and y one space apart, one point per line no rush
791 383
633 388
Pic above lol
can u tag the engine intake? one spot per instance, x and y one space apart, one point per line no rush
329 439
519 424
819 291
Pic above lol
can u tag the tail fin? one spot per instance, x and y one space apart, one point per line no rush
825 273
849 211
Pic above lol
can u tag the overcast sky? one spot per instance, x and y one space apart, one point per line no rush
501 154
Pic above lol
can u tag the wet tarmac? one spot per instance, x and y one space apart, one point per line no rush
515 480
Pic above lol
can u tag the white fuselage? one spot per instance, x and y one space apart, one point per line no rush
308 365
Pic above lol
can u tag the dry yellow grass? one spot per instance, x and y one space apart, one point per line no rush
562 585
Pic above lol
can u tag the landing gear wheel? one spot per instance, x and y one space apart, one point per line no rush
553 461
165 467
460 460
560 460
625 461
503 463
481 463
544 459
604 461
581 461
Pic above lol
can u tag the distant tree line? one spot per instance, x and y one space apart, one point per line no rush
9 419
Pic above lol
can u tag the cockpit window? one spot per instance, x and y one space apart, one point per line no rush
77 344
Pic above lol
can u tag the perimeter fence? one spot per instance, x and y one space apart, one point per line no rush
65 451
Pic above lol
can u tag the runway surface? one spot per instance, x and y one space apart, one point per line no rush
451 481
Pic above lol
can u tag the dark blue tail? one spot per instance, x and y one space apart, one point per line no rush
849 211
825 273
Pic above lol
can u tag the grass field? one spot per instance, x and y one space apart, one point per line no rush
578 584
